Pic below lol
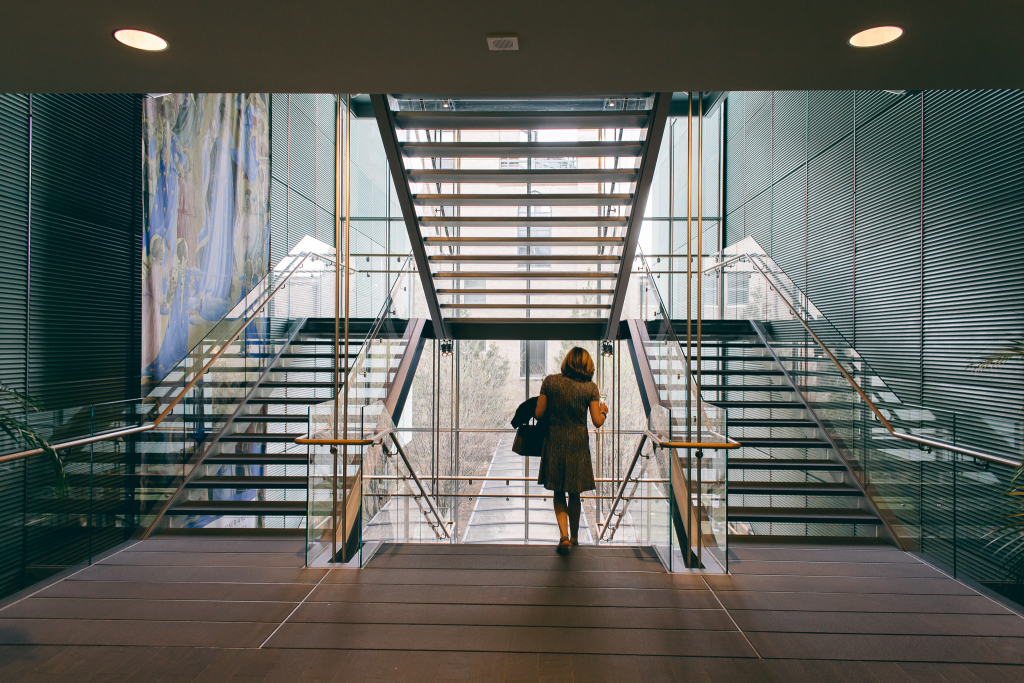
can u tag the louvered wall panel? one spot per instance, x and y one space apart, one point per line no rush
830 118
759 218
14 161
789 114
830 247
759 152
969 232
789 225
86 238
973 223
302 162
888 243
755 101
734 117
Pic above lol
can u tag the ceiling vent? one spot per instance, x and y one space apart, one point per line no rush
510 42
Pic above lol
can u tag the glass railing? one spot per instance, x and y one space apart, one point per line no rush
947 504
217 376
335 478
116 484
56 516
686 417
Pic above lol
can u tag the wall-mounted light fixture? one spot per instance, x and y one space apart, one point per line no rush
447 347
607 349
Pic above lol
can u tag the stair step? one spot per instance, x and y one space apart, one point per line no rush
800 488
784 464
742 387
777 442
248 482
277 400
768 422
802 515
261 438
238 507
272 418
294 458
788 405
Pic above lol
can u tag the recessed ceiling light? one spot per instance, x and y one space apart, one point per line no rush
880 35
140 40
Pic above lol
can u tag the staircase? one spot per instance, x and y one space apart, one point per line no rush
786 481
253 475
520 210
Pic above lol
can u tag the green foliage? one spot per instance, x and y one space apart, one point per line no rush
12 401
1008 537
1011 350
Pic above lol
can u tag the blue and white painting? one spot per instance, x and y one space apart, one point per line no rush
207 233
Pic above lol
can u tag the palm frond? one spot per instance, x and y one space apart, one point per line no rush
21 432
1011 350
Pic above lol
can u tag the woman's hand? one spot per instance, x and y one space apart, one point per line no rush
598 412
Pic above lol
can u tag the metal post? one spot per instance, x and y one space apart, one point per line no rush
699 533
348 298
337 311
689 278
700 251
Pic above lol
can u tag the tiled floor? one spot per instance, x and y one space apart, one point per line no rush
178 609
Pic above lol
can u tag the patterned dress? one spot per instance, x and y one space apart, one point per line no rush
565 461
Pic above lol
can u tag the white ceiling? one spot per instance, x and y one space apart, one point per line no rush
566 46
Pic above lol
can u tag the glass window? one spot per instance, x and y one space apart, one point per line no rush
538 358
474 298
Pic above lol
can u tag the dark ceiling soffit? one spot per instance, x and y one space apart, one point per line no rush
386 123
655 132
526 329
362 107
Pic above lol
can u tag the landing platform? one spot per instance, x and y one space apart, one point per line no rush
217 609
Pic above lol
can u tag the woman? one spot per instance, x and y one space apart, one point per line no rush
565 466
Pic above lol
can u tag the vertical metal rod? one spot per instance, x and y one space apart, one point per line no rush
700 308
348 299
689 306
700 247
337 312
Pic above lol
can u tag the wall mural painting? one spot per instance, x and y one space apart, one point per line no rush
207 236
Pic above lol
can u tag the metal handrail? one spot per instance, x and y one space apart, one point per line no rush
378 438
933 443
170 406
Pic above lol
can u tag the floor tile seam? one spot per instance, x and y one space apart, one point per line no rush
856 564
51 585
138 621
837 612
878 633
701 629
724 609
820 592
840 576
503 585
326 574
195 600
660 572
505 604
201 566
972 589
511 652
192 583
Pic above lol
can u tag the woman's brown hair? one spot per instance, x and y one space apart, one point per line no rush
578 364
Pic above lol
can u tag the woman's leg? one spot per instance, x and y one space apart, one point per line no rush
575 506
561 514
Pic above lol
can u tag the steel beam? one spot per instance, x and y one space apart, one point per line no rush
645 174
386 123
399 390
